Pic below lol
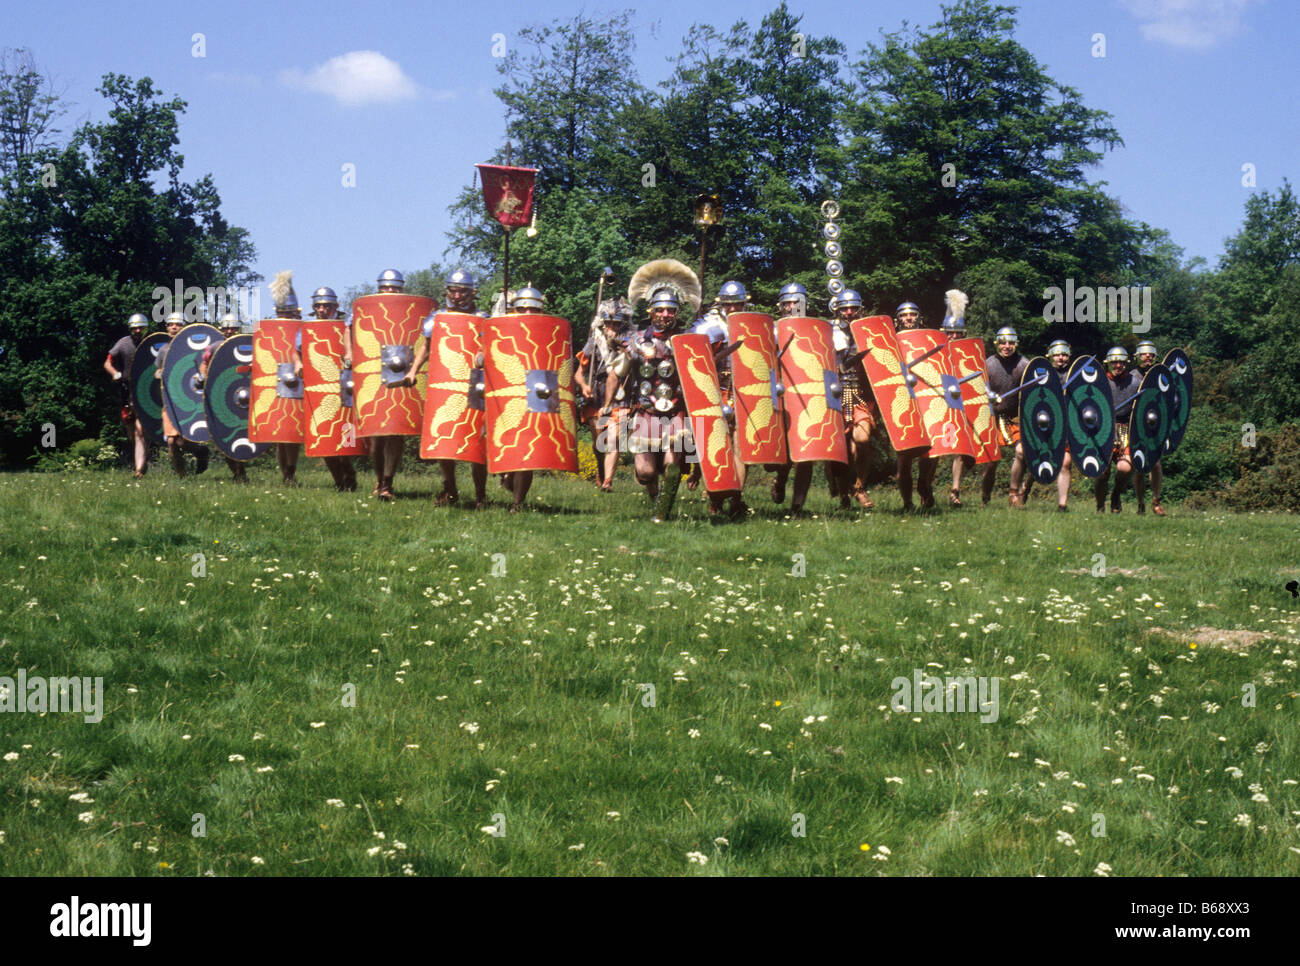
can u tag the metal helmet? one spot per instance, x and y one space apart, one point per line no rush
529 298
732 293
138 320
228 321
177 317
324 296
906 306
791 293
953 325
1145 346
848 299
462 279
663 298
392 277
1116 354
1006 334
1059 347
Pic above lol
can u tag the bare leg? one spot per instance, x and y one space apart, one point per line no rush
925 481
174 451
1063 484
141 447
904 468
286 455
802 481
987 482
521 482
1017 473
449 492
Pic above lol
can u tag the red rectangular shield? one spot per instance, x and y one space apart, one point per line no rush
967 357
757 389
938 396
385 328
530 412
277 414
875 336
453 402
813 396
331 428
702 394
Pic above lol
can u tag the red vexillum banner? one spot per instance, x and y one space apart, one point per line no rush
508 193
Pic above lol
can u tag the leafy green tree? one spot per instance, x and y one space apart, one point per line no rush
1251 269
962 149
81 250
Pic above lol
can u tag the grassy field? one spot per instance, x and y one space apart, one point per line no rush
348 688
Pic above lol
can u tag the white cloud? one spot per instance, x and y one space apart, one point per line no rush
356 78
1191 24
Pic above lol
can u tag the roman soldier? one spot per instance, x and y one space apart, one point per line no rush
659 426
459 295
118 367
229 326
907 317
527 301
176 445
732 297
385 451
1058 353
953 327
1124 387
325 308
1005 369
860 414
286 307
1146 358
790 304
610 331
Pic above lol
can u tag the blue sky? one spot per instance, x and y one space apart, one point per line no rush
286 95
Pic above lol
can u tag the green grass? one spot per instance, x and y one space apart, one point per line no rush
520 694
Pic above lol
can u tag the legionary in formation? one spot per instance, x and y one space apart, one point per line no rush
325 308
1124 387
791 303
286 307
606 410
732 297
229 327
386 451
1146 358
1006 368
907 317
176 445
118 367
460 294
527 301
953 327
860 414
1058 353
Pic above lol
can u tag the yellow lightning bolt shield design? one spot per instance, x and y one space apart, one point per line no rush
816 431
888 384
762 425
377 321
518 437
453 429
703 397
